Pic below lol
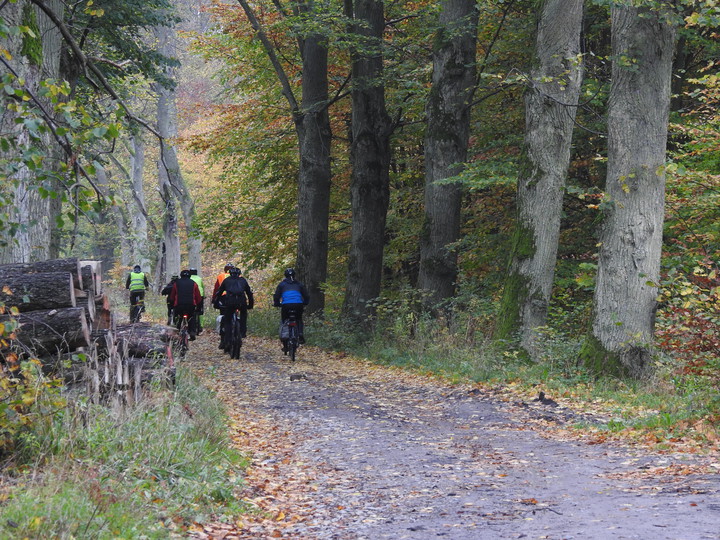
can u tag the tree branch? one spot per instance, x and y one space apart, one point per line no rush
272 55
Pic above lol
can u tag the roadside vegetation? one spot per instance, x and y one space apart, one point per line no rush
74 469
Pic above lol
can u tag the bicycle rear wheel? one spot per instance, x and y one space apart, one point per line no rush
236 342
292 343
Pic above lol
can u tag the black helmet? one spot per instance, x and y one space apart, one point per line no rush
228 266
185 274
290 273
193 271
137 268
234 271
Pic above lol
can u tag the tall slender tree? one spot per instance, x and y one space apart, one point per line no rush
370 156
446 142
631 235
550 105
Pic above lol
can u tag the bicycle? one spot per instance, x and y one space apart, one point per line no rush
136 310
184 337
234 342
293 339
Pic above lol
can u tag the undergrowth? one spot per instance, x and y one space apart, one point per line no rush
160 467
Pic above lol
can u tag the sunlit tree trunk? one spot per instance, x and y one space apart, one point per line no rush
631 235
550 107
446 142
370 155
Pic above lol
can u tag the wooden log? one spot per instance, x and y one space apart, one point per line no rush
90 309
104 318
50 331
144 339
32 292
96 269
88 279
71 265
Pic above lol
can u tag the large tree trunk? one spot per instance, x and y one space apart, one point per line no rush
631 236
370 155
167 127
550 106
30 241
314 136
446 142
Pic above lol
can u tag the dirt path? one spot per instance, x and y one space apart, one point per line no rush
346 450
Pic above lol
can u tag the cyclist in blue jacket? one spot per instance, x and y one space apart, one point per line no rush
291 295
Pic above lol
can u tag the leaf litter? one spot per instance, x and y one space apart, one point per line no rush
341 448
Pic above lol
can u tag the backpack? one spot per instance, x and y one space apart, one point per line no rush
234 292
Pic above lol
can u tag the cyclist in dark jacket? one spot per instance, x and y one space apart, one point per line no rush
166 292
185 297
291 295
234 292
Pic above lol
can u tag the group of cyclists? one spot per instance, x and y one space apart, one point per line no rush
231 292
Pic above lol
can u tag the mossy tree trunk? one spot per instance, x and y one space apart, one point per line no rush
631 236
446 141
370 155
550 106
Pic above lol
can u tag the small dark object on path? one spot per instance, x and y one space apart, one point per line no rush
298 377
545 400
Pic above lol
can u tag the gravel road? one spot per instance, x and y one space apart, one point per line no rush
343 449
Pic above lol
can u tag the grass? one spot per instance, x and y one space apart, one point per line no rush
164 466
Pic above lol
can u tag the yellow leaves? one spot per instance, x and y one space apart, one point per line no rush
7 290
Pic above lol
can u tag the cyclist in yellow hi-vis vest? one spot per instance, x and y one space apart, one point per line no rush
137 283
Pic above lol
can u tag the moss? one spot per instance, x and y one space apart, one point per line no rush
515 293
32 46
599 360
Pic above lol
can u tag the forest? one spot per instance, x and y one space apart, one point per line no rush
473 188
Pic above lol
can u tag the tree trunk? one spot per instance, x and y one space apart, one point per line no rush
370 155
631 236
30 292
48 331
167 127
446 141
550 107
137 208
314 137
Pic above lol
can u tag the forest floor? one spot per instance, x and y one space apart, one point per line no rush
344 449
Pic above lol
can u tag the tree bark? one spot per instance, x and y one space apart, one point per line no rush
446 142
49 331
631 236
70 265
370 154
550 107
30 292
139 234
314 138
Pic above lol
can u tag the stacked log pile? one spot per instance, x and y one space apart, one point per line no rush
64 318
